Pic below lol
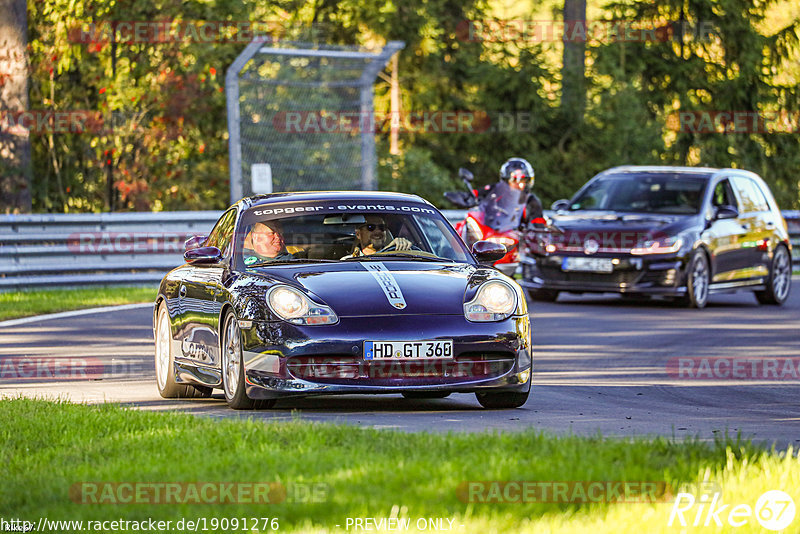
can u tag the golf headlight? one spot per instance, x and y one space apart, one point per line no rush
291 305
494 301
664 245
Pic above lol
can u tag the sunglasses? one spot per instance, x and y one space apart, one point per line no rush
372 227
518 176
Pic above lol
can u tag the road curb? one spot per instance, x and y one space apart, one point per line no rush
73 313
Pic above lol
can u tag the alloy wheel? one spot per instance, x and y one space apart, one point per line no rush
781 276
231 358
699 281
162 349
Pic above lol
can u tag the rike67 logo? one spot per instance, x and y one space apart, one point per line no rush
774 510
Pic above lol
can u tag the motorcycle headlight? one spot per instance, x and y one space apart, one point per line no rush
507 241
293 306
664 245
494 301
471 232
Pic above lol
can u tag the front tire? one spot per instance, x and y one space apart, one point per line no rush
780 279
504 400
168 388
233 384
698 280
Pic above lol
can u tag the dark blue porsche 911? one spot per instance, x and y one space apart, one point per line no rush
301 294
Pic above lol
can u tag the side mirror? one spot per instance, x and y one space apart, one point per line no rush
560 205
726 212
460 199
488 252
203 255
194 242
465 175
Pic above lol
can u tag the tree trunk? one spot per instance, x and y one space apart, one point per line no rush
15 145
573 84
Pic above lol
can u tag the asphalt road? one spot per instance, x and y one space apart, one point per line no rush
601 364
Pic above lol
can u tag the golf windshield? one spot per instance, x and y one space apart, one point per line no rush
652 192
322 232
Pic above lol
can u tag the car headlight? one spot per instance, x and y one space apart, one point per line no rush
664 245
494 301
293 306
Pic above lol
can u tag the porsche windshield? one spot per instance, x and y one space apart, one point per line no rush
651 192
327 234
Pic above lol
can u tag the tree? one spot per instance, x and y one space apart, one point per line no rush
15 147
573 82
707 64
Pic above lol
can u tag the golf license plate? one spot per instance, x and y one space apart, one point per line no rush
409 350
592 265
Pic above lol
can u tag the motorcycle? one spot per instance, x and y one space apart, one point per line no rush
494 217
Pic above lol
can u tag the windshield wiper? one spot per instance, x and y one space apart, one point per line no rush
288 260
384 255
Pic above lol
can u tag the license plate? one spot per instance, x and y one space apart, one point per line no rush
593 265
409 350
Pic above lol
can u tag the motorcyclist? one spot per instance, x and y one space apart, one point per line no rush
519 175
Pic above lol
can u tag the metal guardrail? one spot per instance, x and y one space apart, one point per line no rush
127 248
95 249
99 249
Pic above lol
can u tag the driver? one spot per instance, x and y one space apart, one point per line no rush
264 243
371 238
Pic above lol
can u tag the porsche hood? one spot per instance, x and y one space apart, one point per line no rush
365 288
373 287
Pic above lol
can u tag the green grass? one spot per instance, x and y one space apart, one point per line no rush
47 447
25 303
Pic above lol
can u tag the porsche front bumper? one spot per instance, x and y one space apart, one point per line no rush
283 360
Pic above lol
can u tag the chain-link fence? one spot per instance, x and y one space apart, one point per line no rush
301 117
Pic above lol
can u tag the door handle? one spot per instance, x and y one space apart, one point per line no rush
770 224
182 291
746 226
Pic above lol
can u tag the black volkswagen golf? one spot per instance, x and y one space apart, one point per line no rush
680 232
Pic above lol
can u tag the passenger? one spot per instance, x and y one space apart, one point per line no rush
371 238
265 243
